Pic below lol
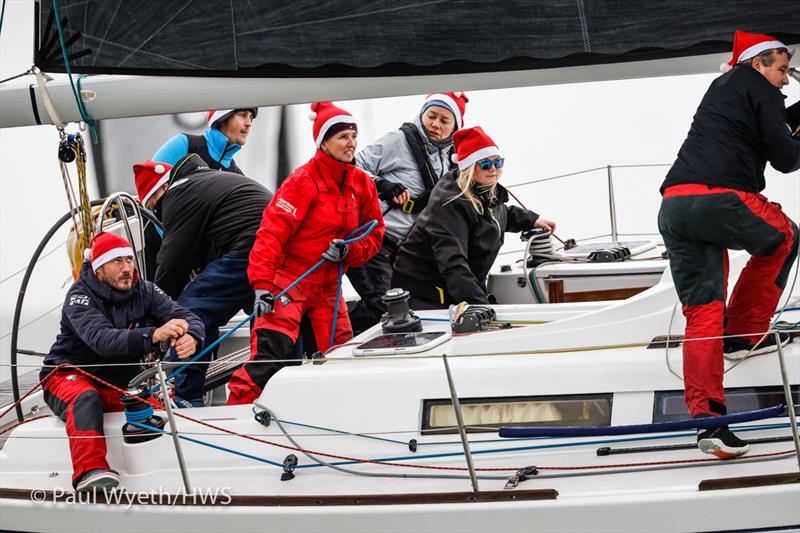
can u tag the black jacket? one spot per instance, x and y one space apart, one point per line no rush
453 247
205 214
100 325
741 125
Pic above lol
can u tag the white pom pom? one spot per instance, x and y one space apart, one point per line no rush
312 116
724 67
458 94
87 254
454 158
160 169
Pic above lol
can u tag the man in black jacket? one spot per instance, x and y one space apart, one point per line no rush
209 218
712 203
109 316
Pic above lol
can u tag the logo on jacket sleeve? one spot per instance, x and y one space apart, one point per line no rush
79 299
286 206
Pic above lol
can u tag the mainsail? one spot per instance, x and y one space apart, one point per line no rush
265 53
305 38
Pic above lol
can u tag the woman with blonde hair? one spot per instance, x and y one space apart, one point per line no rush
447 255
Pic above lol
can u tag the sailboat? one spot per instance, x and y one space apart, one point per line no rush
554 414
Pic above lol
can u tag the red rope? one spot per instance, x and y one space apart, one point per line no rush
23 422
41 383
158 405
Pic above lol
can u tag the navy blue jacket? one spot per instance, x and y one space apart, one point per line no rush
100 325
741 125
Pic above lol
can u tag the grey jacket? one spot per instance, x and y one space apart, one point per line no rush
390 158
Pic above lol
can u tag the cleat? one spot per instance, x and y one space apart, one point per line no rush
721 442
738 348
98 479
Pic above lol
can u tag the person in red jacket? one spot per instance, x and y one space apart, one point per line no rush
312 212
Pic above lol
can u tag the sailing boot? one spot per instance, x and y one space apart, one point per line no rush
738 348
721 441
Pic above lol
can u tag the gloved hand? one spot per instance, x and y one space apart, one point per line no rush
336 251
263 303
387 189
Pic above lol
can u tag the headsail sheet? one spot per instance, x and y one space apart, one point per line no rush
342 38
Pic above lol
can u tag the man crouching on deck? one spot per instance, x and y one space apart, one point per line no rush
106 319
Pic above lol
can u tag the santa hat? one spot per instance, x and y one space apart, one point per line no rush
749 45
149 176
329 119
218 116
455 102
107 247
472 145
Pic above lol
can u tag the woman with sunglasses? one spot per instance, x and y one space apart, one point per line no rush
447 255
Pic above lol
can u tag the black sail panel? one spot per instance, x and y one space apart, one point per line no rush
305 38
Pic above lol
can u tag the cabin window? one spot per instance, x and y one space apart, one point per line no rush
669 405
488 414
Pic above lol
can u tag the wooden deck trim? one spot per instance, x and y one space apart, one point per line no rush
312 501
749 481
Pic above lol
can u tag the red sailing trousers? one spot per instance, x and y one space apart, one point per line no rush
699 224
80 402
275 333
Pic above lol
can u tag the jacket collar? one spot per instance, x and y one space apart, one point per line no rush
219 147
103 291
331 170
432 146
188 165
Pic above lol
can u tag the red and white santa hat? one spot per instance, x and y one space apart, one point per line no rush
329 120
455 102
218 116
747 46
149 176
107 247
472 145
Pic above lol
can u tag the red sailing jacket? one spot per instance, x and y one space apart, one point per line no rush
320 201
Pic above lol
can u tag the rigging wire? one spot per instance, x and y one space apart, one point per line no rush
23 269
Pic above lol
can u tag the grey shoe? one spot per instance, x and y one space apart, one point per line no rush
97 480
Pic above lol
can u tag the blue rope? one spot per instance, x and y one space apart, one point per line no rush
134 416
368 227
450 454
75 91
208 444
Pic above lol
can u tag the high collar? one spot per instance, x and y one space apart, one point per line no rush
219 147
103 291
431 145
331 169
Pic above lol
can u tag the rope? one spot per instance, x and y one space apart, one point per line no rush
366 228
83 193
40 384
75 91
353 236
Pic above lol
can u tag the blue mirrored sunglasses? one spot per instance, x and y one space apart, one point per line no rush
486 164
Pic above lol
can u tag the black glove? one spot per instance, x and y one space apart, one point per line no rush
388 189
263 303
336 251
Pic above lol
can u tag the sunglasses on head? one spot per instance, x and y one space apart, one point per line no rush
486 164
